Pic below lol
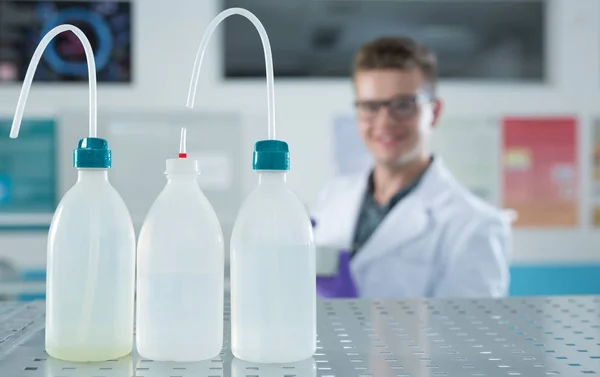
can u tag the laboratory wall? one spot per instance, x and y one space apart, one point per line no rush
166 38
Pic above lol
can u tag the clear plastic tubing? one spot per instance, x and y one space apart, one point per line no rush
35 60
268 61
25 89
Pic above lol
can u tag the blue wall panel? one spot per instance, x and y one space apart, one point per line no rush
548 280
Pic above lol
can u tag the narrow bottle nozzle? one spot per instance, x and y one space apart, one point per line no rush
183 143
35 59
268 61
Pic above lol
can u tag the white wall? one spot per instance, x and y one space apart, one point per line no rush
167 34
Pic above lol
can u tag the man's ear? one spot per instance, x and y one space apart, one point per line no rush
437 111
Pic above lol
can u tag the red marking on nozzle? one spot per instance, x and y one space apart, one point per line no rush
182 155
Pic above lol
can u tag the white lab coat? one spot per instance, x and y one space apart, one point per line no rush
438 241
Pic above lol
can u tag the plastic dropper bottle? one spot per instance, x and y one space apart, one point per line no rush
91 246
180 268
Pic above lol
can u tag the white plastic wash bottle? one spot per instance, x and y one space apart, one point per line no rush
273 289
180 271
273 282
91 247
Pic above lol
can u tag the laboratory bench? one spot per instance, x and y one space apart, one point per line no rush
544 336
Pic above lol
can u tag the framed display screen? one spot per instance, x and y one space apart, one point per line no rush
473 39
107 24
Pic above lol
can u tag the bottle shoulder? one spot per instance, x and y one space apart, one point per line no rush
85 191
102 202
273 215
273 197
182 212
187 202
180 234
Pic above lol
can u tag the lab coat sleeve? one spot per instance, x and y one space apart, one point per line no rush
478 265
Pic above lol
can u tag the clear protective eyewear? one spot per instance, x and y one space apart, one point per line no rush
399 107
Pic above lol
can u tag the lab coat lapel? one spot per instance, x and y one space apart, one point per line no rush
409 219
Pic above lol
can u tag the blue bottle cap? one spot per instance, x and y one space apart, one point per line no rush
92 153
271 155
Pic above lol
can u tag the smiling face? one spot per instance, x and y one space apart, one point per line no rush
395 114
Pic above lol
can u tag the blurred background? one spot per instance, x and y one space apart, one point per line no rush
520 81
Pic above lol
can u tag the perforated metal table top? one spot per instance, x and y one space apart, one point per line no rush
396 338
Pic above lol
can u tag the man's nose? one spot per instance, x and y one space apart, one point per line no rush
384 117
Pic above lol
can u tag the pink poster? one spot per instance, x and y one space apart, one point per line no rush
540 173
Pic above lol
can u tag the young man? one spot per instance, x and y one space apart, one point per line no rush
407 228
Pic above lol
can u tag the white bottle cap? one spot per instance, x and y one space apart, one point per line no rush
182 166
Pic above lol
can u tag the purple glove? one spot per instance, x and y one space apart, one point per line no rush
340 285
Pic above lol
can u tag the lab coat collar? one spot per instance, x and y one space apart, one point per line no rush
432 189
435 184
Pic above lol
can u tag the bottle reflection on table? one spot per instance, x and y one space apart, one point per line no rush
304 368
122 367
